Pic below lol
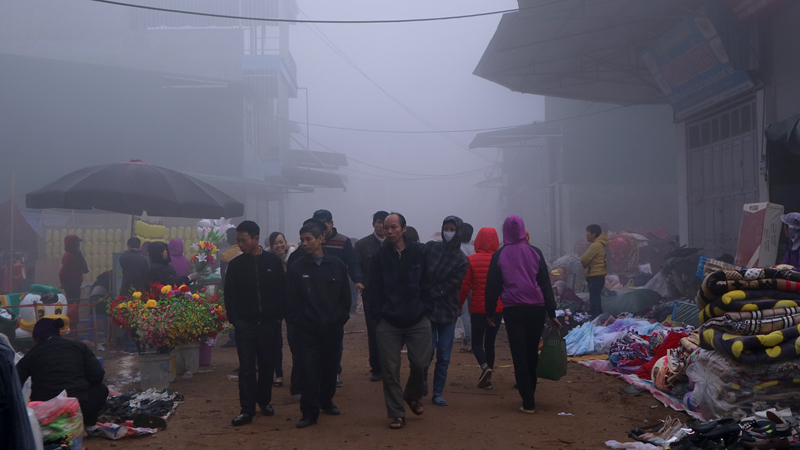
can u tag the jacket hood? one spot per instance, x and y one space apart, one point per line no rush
603 239
176 247
154 250
487 241
456 241
72 241
514 230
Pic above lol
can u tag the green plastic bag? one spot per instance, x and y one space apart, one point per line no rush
553 359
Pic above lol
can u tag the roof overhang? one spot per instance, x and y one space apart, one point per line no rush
578 49
509 136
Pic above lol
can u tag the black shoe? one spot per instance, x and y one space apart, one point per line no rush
488 385
339 382
296 397
333 410
305 423
376 377
268 411
242 419
486 375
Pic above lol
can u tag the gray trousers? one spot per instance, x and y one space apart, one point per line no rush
417 339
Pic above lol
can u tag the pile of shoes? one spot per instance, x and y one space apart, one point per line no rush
770 429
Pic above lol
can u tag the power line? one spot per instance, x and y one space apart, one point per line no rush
317 32
270 19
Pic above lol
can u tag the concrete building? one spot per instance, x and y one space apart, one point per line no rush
728 69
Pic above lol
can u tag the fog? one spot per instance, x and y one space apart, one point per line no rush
88 83
428 68
94 115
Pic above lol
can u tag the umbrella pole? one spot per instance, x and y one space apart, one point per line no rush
13 192
133 222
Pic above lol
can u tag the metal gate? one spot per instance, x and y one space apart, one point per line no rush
722 176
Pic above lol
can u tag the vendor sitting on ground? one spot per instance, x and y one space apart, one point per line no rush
55 364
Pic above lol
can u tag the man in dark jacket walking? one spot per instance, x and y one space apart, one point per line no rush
318 295
365 248
445 267
134 268
394 289
255 299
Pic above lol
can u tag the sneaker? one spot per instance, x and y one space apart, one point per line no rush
485 376
339 382
488 385
296 397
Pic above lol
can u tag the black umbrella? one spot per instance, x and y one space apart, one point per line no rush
134 187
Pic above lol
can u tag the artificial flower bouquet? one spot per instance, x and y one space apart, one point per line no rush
210 233
167 317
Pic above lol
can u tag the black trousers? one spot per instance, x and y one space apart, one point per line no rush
319 353
372 340
256 344
294 382
483 337
279 354
91 407
524 325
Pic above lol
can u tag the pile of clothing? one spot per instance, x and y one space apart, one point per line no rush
136 413
594 338
60 421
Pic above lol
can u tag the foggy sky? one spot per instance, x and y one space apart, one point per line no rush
427 66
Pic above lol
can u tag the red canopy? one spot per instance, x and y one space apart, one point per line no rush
25 238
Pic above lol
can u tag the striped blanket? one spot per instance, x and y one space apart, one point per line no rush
750 300
750 323
721 282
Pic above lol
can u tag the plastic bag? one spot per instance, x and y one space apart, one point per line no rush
37 431
48 411
553 359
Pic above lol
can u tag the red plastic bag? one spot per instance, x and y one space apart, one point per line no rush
48 411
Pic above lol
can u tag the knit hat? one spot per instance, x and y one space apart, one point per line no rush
45 328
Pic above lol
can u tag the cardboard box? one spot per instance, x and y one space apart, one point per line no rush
759 235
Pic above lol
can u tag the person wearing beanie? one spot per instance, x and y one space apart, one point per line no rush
55 364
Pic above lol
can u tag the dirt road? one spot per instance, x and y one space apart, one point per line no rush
475 418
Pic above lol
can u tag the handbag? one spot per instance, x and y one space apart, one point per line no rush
553 359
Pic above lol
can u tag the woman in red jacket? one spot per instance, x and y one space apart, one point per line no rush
483 334
73 266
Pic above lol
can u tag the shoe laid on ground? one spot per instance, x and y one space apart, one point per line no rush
229 344
486 375
304 423
296 397
242 419
268 411
332 411
339 382
438 400
376 377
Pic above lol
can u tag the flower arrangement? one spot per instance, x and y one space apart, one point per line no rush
168 317
210 233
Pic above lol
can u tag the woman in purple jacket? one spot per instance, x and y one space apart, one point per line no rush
518 275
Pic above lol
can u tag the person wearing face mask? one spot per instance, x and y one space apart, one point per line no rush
365 248
445 267
277 245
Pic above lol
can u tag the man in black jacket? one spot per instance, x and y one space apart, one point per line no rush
394 288
255 299
365 248
134 268
318 292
